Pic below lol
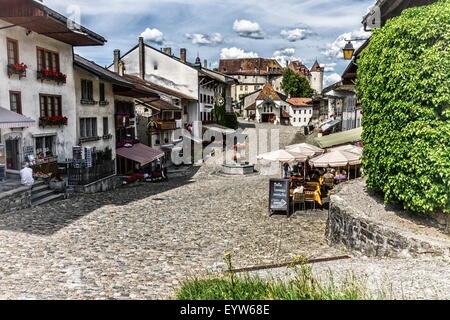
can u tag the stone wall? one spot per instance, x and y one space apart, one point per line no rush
363 224
15 200
103 185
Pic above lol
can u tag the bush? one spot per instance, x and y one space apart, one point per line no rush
404 84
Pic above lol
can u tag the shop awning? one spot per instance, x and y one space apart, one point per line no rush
140 153
9 119
330 125
340 138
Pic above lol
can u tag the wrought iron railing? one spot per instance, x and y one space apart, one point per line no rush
82 175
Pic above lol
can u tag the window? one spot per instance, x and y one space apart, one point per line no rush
310 111
105 126
45 146
88 127
15 102
155 67
48 60
13 51
102 92
87 90
305 120
50 106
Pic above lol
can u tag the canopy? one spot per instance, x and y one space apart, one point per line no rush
283 156
140 153
340 138
9 119
336 159
349 148
330 125
305 149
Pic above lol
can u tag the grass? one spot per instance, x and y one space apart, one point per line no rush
304 286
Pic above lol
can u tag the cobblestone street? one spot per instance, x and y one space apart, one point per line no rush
140 241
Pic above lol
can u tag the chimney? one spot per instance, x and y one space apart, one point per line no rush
205 64
116 60
168 51
141 58
183 54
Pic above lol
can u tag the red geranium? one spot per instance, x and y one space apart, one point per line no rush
20 66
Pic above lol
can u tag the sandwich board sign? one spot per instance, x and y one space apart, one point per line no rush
279 197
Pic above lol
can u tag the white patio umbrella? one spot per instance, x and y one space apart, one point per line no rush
336 158
282 156
348 148
306 149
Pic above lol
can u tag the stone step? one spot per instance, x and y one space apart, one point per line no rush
39 188
44 193
53 197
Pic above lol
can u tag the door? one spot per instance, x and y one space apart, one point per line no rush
12 155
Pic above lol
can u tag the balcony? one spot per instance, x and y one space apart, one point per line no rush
162 125
17 69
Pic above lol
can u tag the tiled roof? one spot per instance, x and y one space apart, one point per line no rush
316 67
159 88
250 66
300 102
284 114
299 68
251 107
161 105
268 92
99 71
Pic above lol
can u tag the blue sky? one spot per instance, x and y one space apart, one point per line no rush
286 30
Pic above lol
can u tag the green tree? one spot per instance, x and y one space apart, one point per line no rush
296 85
404 84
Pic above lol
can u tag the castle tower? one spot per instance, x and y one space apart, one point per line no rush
317 77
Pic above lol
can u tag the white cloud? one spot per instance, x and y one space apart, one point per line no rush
248 29
329 67
334 49
284 56
153 35
204 39
331 79
236 53
296 34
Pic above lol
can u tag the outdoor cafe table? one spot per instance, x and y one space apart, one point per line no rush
317 192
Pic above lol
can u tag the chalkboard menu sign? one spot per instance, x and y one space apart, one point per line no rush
279 197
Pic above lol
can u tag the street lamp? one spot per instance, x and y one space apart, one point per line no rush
348 50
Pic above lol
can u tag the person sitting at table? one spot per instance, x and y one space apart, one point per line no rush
300 189
315 176
295 170
342 176
328 175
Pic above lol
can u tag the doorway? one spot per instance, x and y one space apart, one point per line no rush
268 118
12 155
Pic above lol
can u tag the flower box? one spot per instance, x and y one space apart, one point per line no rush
104 103
53 121
50 75
17 68
107 137
88 102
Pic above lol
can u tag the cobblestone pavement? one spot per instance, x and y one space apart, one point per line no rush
140 241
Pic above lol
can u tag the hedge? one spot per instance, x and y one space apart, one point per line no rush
404 85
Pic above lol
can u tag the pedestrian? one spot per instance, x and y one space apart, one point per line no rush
286 167
26 175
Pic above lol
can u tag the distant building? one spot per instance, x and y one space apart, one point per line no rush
313 75
252 74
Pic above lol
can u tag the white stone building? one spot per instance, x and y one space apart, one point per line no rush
45 90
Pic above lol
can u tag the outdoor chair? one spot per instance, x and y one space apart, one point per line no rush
309 197
299 198
328 183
